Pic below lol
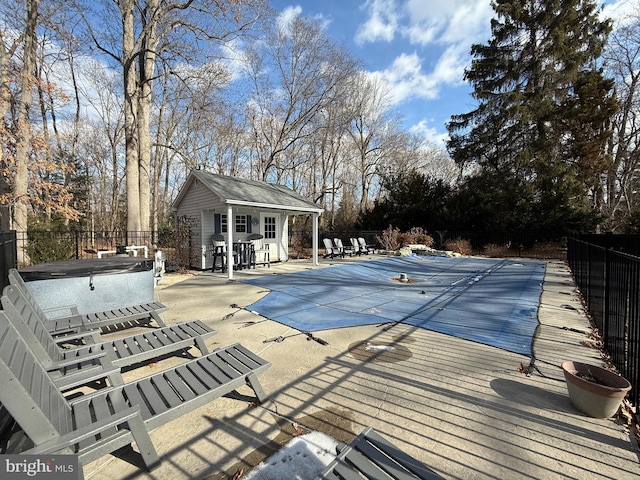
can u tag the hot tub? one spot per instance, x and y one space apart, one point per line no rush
91 285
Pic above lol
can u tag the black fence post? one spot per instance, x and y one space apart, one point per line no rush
607 296
8 256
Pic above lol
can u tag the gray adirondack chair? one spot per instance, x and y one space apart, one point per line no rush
127 316
372 457
52 423
94 425
122 352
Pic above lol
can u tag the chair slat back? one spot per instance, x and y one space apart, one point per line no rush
30 325
27 391
16 280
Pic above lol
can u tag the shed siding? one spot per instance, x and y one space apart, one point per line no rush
196 197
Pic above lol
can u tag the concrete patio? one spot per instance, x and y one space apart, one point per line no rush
461 407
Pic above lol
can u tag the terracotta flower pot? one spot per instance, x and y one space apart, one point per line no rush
594 390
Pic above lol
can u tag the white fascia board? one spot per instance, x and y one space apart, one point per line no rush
267 206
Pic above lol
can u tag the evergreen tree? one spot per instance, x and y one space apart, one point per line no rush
543 105
413 200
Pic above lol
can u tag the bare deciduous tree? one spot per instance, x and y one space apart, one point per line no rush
295 71
153 31
373 131
101 145
622 180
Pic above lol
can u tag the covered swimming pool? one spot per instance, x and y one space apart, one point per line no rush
491 301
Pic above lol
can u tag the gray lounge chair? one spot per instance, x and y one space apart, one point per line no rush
132 315
103 421
121 352
372 457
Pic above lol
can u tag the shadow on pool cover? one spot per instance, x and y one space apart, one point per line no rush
490 301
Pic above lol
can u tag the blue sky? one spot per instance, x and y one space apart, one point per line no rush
420 47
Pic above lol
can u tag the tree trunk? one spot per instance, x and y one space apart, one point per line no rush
5 100
130 117
147 72
23 144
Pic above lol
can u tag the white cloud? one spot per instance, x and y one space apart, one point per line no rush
445 21
430 134
288 15
446 28
620 10
468 24
450 66
381 24
234 58
406 79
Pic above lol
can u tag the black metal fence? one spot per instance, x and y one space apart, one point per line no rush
37 246
609 281
626 243
8 256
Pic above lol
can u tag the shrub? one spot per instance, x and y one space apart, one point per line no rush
393 239
420 237
298 245
45 246
390 239
459 245
406 238
413 237
185 225
494 250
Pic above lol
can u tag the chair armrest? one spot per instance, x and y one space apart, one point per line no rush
71 438
93 335
72 308
75 360
86 376
116 384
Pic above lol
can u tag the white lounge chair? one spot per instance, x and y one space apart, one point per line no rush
331 251
355 246
367 248
341 248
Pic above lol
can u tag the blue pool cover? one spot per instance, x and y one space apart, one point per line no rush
494 302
